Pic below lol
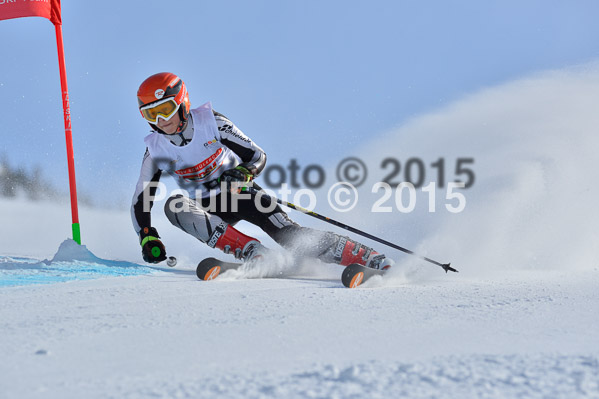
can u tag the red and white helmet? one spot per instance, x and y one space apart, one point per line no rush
161 96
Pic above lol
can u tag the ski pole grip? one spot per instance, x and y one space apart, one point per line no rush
156 251
153 251
152 248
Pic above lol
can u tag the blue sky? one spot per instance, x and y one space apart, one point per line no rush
307 80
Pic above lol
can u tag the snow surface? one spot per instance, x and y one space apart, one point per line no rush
518 321
170 335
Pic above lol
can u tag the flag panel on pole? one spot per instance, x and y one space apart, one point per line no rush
49 9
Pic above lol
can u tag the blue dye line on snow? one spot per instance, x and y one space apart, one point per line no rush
15 271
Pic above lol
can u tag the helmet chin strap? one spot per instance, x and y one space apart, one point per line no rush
182 126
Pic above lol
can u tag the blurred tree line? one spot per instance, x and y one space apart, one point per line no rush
16 181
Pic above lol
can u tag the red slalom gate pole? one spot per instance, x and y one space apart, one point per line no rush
68 134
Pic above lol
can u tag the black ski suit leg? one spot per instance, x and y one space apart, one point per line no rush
301 241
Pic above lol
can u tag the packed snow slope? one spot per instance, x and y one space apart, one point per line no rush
167 335
518 321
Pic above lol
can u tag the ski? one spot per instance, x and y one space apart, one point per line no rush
211 268
355 274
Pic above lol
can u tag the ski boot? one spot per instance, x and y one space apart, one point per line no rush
231 241
354 252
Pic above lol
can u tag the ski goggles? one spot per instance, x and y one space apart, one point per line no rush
164 108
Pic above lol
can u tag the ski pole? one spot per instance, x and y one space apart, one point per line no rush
445 266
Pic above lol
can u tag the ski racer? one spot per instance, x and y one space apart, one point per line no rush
209 157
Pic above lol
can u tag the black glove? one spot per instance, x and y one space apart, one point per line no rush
238 177
152 249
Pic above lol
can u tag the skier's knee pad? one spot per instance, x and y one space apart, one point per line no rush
180 210
174 205
186 214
